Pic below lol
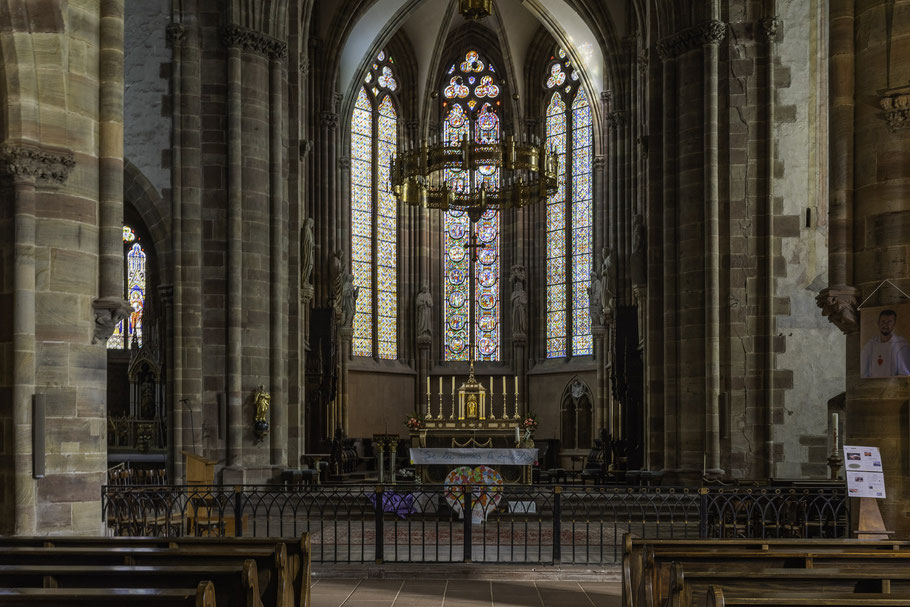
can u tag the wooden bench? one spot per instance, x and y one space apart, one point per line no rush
646 563
690 586
293 578
203 595
271 561
718 598
234 586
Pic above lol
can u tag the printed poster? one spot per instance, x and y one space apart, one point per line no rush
865 477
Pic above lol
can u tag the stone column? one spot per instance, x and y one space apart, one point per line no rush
233 39
877 408
713 34
110 156
166 297
278 370
176 33
345 336
600 397
839 300
669 247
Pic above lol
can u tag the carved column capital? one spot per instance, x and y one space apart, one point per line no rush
39 165
709 32
897 109
329 120
712 32
839 303
599 162
770 26
303 66
176 34
236 36
306 146
344 163
616 119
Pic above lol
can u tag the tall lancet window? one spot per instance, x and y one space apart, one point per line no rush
128 332
569 232
374 213
470 107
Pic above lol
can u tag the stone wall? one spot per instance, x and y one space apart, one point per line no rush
147 118
62 168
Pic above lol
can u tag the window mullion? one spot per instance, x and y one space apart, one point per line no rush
374 221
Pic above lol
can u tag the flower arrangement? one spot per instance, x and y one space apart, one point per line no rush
529 422
413 423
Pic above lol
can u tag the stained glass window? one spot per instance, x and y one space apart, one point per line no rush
569 215
374 213
128 332
470 105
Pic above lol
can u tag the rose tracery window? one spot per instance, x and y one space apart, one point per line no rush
374 213
569 213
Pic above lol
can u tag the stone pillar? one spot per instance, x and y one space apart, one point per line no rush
600 396
877 408
176 33
110 153
669 248
714 33
839 300
233 40
278 368
520 358
166 297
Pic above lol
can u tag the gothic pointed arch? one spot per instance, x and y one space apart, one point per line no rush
576 414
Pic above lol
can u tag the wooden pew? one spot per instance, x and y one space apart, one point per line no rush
298 561
201 596
717 598
690 586
235 586
271 561
646 563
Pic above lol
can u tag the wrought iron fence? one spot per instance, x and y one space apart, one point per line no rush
528 524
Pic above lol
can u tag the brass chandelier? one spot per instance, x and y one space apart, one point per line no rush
423 175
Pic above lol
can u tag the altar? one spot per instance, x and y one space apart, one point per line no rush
479 428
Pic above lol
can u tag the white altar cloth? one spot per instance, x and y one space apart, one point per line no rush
503 457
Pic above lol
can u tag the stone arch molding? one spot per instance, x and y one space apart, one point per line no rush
143 197
376 26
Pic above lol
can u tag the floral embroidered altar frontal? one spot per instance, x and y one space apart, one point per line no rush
502 457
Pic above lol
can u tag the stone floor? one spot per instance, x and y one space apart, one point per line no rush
461 592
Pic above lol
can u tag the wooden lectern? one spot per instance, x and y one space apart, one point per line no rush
199 471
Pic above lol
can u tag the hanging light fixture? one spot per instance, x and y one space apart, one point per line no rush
422 175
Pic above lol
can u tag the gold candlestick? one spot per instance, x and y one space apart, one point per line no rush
505 413
453 398
492 412
516 399
440 398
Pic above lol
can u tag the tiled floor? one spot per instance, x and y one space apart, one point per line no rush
367 592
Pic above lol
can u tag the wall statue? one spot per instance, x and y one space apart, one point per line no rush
349 301
595 308
519 302
424 311
338 279
307 252
608 282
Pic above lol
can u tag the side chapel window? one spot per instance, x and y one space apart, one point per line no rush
569 234
374 213
128 332
471 103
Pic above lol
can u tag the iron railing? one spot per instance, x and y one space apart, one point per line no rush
528 524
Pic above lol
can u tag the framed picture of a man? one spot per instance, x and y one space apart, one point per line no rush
885 349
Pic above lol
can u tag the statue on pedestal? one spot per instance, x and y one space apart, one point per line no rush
519 302
307 252
348 301
595 307
424 311
608 282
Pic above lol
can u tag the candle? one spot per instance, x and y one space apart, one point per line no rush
834 428
503 385
516 384
517 435
440 387
428 385
491 387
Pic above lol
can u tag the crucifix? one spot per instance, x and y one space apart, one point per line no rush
473 245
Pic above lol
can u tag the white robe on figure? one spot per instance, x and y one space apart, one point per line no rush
885 359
